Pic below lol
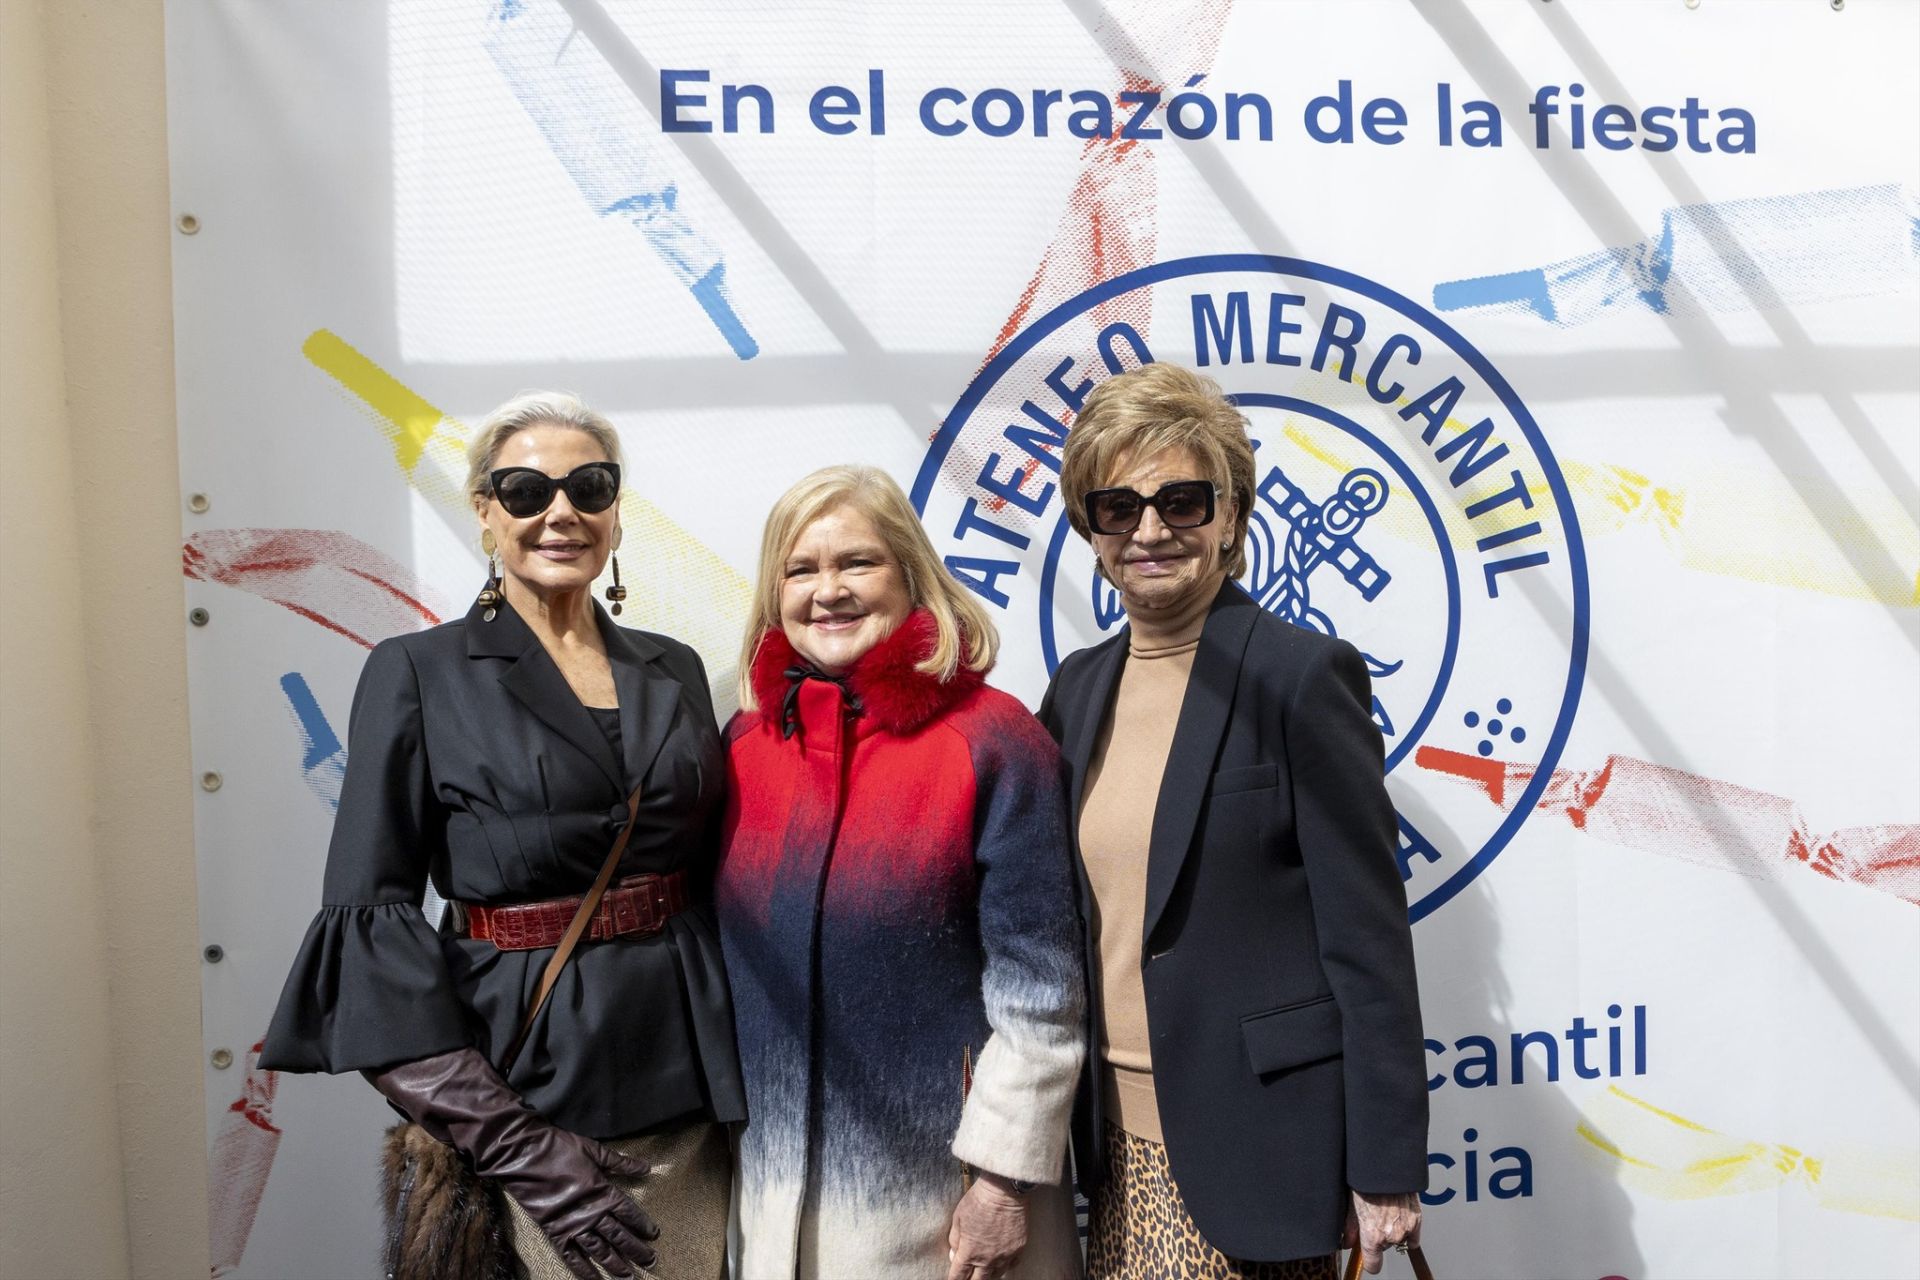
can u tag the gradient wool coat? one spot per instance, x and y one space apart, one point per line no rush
895 898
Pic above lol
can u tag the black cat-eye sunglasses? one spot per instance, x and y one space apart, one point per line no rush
523 491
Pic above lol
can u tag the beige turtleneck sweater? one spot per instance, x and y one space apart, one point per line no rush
1116 823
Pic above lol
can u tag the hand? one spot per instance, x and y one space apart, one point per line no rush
559 1178
1377 1223
989 1230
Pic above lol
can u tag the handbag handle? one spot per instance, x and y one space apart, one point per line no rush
576 930
1421 1270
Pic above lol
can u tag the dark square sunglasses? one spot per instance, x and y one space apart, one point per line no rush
591 488
1184 504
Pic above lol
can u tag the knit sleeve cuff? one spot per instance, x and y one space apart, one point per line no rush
1015 1119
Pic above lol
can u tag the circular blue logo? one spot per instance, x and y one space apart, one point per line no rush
1405 501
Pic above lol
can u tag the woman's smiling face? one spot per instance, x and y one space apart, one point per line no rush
841 590
1155 566
562 549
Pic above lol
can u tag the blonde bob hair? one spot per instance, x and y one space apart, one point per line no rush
531 409
965 633
1151 410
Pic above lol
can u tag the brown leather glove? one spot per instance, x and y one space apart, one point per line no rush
559 1178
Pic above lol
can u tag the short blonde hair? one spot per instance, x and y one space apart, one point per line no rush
1150 410
531 409
964 632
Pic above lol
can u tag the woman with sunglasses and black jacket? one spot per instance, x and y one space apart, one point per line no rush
494 756
1256 1087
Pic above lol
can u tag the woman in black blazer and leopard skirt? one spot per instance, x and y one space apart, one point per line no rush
1255 1087
493 755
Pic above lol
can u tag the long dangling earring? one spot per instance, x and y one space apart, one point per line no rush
489 598
616 593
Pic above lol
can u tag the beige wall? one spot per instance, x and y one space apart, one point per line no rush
102 1118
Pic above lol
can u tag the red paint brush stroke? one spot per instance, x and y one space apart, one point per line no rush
1107 229
242 1157
1704 821
1110 224
329 577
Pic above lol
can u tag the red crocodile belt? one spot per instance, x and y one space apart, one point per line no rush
635 905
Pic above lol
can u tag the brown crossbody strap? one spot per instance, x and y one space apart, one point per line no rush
575 931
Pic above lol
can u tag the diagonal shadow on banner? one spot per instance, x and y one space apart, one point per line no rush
1821 957
1585 190
902 380
1747 412
1496 75
1731 367
881 375
1837 391
1479 1000
771 381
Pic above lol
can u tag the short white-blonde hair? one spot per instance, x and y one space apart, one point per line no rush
531 409
965 634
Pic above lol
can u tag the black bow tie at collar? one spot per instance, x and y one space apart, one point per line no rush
798 674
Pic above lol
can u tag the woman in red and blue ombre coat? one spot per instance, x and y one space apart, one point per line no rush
896 905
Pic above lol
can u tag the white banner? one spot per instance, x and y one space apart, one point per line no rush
1579 341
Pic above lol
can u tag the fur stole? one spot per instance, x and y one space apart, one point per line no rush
442 1218
892 693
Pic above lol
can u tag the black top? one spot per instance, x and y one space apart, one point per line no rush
1277 958
608 718
471 762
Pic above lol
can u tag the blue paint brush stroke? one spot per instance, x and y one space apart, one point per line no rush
1733 255
597 132
323 761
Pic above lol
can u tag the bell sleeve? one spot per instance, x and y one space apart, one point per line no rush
369 986
1014 1122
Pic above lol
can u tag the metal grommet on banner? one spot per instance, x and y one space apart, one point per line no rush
198 503
188 224
198 617
221 1059
210 781
1837 5
213 953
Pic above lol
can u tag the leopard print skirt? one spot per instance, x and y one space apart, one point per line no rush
1139 1229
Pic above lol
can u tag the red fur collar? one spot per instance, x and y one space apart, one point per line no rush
893 695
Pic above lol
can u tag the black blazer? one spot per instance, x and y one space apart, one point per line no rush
472 763
1277 958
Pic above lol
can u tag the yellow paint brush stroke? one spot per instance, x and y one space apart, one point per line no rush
1671 1157
410 422
1743 522
688 592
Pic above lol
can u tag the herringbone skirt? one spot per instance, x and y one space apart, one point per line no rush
1139 1229
686 1196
